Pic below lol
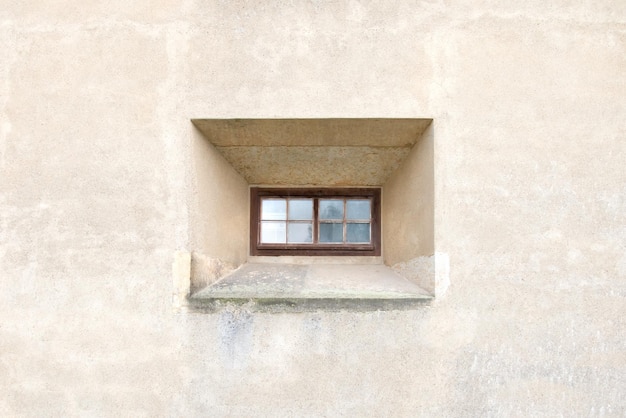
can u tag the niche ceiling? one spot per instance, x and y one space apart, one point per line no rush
314 152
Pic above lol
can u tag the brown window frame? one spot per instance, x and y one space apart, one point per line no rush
314 249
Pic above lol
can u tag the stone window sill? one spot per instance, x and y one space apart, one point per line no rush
293 285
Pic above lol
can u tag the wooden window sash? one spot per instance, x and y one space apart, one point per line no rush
316 248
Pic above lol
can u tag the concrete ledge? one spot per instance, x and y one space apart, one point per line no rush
297 287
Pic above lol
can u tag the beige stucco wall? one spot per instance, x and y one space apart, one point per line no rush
97 158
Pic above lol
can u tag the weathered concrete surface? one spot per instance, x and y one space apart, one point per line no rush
310 166
280 288
96 195
205 271
321 281
312 152
319 132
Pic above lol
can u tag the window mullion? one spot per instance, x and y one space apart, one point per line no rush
315 220
345 223
287 221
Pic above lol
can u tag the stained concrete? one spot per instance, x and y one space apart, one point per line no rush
311 166
293 286
313 152
313 132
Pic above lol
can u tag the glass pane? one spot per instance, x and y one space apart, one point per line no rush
300 232
301 209
331 209
273 209
331 233
273 232
358 209
358 233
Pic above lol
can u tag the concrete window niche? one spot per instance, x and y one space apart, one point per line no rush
231 156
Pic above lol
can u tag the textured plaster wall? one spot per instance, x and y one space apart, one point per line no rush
96 196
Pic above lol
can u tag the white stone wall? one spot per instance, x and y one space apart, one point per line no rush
97 195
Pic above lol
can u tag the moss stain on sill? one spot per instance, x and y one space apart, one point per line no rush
300 288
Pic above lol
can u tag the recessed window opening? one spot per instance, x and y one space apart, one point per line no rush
315 221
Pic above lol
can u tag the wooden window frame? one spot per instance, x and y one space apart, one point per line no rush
316 249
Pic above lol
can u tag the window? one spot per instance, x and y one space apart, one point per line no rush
305 221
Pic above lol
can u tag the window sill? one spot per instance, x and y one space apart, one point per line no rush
297 287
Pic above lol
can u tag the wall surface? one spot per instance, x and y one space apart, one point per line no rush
96 196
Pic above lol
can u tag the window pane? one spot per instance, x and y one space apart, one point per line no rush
273 209
331 232
273 232
300 232
358 209
358 233
331 209
301 209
